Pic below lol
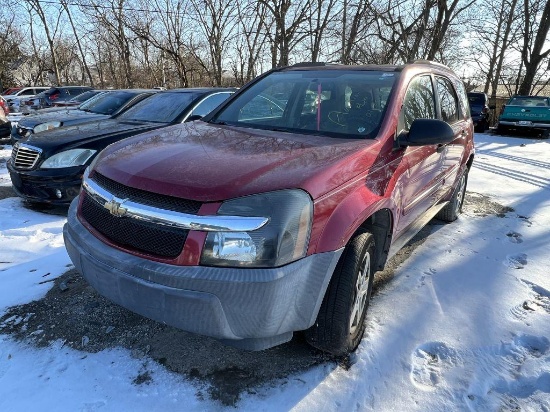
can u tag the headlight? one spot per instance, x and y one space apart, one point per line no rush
73 157
282 240
46 126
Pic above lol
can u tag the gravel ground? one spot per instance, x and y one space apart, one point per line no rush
74 313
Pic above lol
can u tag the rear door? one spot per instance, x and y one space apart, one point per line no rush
452 112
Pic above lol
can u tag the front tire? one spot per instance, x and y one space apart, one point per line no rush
340 324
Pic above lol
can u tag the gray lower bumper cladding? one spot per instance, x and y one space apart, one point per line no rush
249 308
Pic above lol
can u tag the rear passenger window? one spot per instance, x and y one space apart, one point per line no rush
419 101
463 97
447 100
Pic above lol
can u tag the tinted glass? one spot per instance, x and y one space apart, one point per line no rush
419 101
210 103
447 100
51 92
162 107
529 101
477 99
336 103
85 96
107 103
463 98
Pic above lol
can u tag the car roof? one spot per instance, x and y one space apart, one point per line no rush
129 90
198 90
427 64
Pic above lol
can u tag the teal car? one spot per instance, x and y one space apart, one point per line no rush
525 113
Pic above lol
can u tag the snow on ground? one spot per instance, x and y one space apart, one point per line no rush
464 325
5 152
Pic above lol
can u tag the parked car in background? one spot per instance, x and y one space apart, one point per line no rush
47 167
105 105
49 97
480 110
10 90
5 126
77 100
4 105
15 98
255 223
525 114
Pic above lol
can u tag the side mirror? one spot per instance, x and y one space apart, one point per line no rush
193 118
427 132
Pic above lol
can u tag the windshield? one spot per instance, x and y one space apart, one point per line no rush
107 103
336 103
41 94
85 96
476 99
529 101
164 107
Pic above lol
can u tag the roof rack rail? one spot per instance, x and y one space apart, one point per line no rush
309 64
424 61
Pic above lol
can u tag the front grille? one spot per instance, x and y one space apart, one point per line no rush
147 198
162 241
24 157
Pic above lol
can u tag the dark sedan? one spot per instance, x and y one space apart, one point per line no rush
55 95
101 107
48 167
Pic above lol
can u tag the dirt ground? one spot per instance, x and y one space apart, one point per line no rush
72 312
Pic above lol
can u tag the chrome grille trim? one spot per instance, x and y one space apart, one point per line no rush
24 156
212 223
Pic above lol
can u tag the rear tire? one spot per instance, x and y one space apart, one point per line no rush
340 324
450 212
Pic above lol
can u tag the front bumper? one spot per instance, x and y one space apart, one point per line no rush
249 308
42 185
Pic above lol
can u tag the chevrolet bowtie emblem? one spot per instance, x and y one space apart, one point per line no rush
115 208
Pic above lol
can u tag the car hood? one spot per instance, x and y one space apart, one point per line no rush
88 133
207 162
62 115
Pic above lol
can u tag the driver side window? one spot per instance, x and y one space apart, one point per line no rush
419 102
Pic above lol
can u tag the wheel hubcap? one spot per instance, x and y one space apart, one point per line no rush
361 290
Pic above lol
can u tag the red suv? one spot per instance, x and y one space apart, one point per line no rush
272 214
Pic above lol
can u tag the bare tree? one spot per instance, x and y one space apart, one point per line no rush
65 5
46 16
167 26
447 13
495 31
534 40
111 16
322 14
218 19
250 40
351 33
288 17
10 51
